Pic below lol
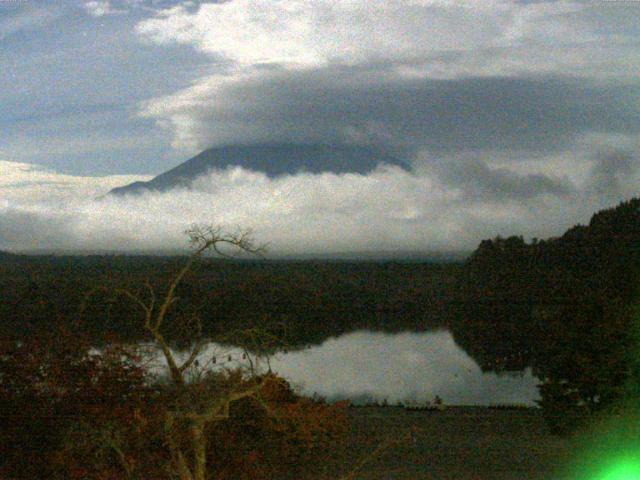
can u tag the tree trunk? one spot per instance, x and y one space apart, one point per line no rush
199 451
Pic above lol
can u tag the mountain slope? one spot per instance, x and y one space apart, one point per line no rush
272 159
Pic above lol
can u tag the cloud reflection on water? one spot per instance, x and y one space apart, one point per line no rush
402 367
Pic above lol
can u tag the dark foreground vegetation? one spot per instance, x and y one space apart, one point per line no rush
563 306
67 414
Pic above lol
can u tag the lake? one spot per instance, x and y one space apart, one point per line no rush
366 366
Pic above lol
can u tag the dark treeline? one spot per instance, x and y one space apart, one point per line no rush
304 302
563 306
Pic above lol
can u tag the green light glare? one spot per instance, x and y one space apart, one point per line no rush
608 450
608 446
626 469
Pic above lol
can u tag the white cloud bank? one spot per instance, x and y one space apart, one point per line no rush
388 210
23 184
312 33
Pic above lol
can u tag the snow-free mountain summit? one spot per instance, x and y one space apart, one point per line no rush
273 160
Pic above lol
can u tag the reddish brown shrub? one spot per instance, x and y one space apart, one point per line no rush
49 384
67 413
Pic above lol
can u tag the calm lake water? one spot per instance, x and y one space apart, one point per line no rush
369 366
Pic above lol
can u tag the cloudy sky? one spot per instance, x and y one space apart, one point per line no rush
518 117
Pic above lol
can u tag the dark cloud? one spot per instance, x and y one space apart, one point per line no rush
361 105
478 181
611 172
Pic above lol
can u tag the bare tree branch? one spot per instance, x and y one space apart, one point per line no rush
202 238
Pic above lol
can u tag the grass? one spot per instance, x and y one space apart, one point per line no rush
460 443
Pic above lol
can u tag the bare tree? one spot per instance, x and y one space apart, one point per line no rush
189 462
203 239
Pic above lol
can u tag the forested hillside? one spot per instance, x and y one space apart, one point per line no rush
562 305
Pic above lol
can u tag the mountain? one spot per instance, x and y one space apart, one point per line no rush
273 159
